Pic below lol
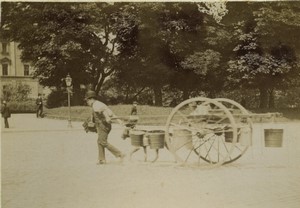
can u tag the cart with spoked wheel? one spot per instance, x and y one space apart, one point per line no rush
216 131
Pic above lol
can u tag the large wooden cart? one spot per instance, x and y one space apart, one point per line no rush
209 131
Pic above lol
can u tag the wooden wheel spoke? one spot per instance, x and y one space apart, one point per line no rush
238 148
184 117
210 161
218 150
182 145
226 148
221 119
188 155
219 153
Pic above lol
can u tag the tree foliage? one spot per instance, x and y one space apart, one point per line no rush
195 48
257 64
61 38
16 92
151 54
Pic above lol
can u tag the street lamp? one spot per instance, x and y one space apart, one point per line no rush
68 80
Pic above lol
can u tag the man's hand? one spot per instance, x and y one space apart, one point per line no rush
108 120
107 116
85 126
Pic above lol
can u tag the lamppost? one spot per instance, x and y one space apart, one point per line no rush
68 80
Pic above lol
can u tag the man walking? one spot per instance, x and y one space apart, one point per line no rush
39 106
102 116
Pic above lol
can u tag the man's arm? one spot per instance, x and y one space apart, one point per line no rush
104 110
107 116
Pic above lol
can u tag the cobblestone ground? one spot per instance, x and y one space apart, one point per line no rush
44 165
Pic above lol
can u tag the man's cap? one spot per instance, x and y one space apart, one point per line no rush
4 102
90 94
135 102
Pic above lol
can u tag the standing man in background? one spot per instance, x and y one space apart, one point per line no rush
5 114
39 106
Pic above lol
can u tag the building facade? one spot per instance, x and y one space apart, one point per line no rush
13 71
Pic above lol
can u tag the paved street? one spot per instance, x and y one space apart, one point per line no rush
47 165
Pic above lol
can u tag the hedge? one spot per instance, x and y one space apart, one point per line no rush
28 106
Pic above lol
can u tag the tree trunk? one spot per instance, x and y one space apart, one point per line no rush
99 84
263 97
271 99
127 92
157 96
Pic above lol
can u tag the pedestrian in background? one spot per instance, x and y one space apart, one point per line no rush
132 121
5 112
134 108
133 118
39 106
102 117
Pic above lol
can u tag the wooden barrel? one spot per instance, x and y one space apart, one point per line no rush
136 137
273 137
182 138
156 139
229 136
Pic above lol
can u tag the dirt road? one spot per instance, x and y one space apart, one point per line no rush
44 165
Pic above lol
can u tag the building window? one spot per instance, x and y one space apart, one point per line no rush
26 70
4 48
4 69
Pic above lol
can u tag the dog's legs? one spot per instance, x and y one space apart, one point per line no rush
156 156
145 153
133 151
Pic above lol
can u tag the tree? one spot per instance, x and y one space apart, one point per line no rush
61 38
217 9
204 66
137 46
145 42
161 34
261 63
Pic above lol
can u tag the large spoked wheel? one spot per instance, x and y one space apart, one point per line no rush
195 132
244 128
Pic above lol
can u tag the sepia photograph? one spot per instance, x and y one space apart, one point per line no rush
150 104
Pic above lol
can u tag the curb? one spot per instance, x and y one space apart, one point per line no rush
39 130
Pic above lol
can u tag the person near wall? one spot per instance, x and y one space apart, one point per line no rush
39 106
134 108
132 121
133 118
102 117
5 112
